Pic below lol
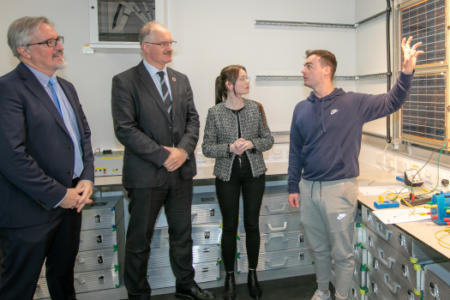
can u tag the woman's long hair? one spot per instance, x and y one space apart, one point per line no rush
230 74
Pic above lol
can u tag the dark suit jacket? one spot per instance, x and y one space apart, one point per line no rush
143 126
36 151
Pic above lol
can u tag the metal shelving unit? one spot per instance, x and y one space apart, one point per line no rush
299 77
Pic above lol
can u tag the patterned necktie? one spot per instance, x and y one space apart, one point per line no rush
165 92
52 86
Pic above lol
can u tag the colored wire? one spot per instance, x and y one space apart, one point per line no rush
424 165
440 239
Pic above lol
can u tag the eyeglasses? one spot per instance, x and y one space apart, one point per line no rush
50 42
163 44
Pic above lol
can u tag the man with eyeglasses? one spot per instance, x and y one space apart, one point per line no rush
46 165
156 120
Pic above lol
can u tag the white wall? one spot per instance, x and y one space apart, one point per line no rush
91 74
371 58
210 35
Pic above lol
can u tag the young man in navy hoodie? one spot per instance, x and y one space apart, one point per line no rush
325 141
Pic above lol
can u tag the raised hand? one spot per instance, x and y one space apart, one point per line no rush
410 55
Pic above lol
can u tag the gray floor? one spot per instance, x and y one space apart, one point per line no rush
298 288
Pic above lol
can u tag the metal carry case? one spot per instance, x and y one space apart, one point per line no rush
159 257
200 214
103 213
204 198
276 223
400 267
101 259
275 201
277 259
203 234
388 283
98 239
437 282
389 233
84 282
275 241
163 277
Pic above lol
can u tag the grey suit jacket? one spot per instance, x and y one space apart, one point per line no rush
221 130
143 126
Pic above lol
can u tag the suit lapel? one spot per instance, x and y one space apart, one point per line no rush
34 86
151 88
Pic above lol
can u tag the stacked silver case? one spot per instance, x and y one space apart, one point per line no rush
282 240
206 235
437 281
395 271
101 248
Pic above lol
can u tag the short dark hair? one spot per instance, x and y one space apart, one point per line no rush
326 58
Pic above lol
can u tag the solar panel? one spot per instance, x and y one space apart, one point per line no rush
425 21
424 110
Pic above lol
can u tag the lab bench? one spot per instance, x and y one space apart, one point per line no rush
397 261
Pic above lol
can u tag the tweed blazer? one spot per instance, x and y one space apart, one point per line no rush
221 130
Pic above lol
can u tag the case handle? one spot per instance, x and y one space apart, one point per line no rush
275 229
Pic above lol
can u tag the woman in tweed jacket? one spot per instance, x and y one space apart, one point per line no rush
236 134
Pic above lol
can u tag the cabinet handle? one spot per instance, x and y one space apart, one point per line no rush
385 234
276 210
101 279
99 239
81 260
389 262
100 259
275 229
80 280
394 287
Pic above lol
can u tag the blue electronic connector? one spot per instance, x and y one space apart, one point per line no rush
440 208
385 204
400 178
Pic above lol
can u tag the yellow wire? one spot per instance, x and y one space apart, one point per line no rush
440 239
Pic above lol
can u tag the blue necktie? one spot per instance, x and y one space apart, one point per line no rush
52 86
71 128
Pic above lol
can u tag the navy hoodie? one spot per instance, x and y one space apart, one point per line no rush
325 137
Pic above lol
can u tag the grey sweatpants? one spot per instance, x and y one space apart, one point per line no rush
327 212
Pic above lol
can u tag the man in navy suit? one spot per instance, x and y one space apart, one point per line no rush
46 165
155 119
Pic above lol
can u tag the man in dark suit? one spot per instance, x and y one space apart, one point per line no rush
156 120
46 165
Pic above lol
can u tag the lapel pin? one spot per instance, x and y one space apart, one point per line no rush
174 79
